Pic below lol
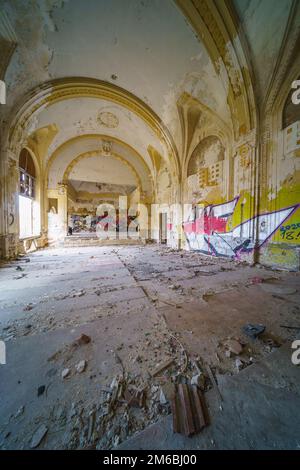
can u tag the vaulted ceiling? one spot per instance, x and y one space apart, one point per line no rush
146 56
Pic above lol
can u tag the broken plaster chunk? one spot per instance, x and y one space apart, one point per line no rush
234 346
65 373
162 398
20 411
81 366
28 307
83 339
41 389
199 380
238 364
79 294
38 436
253 331
161 367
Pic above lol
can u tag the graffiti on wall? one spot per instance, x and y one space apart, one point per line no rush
207 229
290 232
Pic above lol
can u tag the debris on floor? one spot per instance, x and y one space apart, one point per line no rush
38 436
189 415
116 343
253 331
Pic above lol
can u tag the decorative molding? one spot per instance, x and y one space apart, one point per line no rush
208 123
70 88
215 25
156 157
108 119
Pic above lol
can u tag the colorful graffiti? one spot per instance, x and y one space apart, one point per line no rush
208 229
81 224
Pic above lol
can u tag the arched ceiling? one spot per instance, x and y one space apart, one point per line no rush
87 152
82 116
145 47
156 52
265 24
103 170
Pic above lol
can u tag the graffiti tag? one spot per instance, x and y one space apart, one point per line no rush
290 232
207 232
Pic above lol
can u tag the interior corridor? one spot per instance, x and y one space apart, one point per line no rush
149 224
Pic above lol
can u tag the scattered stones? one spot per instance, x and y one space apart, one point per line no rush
83 339
234 346
41 389
81 366
79 294
162 398
161 367
174 286
256 280
20 411
253 331
20 277
133 385
238 364
137 359
38 436
208 295
199 380
65 373
28 307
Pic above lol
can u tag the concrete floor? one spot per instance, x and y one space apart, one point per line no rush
132 301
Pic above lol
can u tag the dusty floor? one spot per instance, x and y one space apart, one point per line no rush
142 306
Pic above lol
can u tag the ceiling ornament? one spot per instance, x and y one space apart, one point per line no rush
106 147
107 119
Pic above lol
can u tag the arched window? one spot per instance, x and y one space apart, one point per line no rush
27 174
28 208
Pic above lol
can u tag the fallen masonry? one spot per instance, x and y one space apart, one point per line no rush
131 353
